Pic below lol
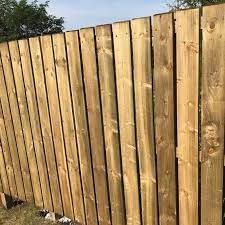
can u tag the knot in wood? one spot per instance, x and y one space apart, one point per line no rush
60 61
162 37
211 151
211 135
211 25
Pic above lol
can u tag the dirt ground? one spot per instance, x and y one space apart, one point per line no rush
22 215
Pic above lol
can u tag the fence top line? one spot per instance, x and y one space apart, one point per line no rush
121 21
191 8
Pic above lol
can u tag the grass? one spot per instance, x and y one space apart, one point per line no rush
24 214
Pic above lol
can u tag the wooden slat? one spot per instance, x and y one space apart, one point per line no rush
95 123
142 62
52 93
165 117
3 173
10 86
25 120
213 114
25 83
43 145
1 188
39 79
7 155
187 29
11 136
40 125
68 126
121 36
110 121
83 144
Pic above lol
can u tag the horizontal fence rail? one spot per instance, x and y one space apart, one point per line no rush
118 124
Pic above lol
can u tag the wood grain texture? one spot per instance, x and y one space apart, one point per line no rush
142 64
110 122
1 188
16 119
56 128
165 117
7 155
11 136
213 114
40 128
83 143
95 124
187 29
68 126
3 172
25 121
125 86
28 108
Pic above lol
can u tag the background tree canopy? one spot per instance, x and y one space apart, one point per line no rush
20 19
182 4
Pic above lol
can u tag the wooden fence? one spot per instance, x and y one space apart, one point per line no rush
120 124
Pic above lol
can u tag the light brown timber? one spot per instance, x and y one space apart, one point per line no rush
40 128
213 114
110 122
16 119
83 143
7 155
187 44
11 136
87 38
125 88
40 78
165 101
68 127
142 64
25 121
3 173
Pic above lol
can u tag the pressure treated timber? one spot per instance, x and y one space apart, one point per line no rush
187 45
213 113
125 91
83 143
40 128
164 77
110 122
142 69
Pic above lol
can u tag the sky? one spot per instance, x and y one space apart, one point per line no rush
87 13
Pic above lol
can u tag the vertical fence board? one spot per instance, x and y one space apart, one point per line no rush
142 60
110 122
122 47
78 98
165 117
213 105
187 28
58 141
95 123
77 125
3 173
25 121
7 155
1 188
39 125
11 136
16 119
68 126
31 124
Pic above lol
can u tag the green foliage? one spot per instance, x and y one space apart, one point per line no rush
182 4
20 19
